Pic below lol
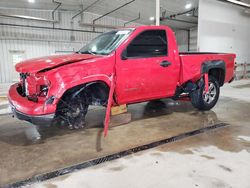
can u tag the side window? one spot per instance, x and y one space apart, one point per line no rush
151 43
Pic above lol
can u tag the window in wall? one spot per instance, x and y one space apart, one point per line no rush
16 56
150 43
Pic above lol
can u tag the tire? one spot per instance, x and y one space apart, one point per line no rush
72 110
203 101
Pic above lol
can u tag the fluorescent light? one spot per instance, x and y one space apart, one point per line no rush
152 18
239 3
31 1
26 17
188 6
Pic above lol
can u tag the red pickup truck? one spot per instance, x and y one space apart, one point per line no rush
124 66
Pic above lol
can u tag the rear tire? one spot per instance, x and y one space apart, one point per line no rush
205 101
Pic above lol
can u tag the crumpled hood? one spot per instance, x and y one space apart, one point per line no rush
38 64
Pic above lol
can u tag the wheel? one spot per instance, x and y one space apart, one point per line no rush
205 101
72 110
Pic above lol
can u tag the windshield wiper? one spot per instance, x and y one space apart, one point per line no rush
87 52
91 52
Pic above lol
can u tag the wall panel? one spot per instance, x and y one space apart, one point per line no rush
224 27
41 42
193 40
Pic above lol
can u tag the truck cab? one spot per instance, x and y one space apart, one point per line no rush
150 59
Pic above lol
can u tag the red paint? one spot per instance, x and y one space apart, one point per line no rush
110 102
136 80
37 64
206 82
26 106
142 79
191 65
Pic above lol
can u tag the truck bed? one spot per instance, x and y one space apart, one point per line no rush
191 63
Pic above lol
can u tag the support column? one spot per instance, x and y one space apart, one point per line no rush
157 16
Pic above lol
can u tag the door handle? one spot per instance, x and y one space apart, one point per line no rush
165 63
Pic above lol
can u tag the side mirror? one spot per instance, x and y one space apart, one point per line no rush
124 55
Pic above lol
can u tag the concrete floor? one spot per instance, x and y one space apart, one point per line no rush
218 158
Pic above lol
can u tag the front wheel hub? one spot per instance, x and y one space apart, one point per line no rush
73 112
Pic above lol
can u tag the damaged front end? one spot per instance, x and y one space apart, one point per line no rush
59 89
29 99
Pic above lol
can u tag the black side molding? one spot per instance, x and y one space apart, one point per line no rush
218 69
214 64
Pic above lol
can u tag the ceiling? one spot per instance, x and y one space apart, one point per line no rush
145 7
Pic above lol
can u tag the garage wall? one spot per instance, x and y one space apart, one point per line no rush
193 40
29 43
224 28
187 40
182 40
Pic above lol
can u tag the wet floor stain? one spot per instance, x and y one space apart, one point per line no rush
223 139
158 154
187 152
50 185
117 168
3 106
207 157
220 183
242 86
23 133
64 177
33 149
225 168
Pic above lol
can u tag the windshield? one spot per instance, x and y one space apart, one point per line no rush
105 43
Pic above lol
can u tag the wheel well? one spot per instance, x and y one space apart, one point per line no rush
218 74
96 92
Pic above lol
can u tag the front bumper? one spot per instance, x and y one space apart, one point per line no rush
36 120
34 112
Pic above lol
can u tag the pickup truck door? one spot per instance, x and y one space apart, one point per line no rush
146 69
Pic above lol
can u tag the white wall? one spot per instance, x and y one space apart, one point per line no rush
184 37
41 42
193 40
182 40
224 28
